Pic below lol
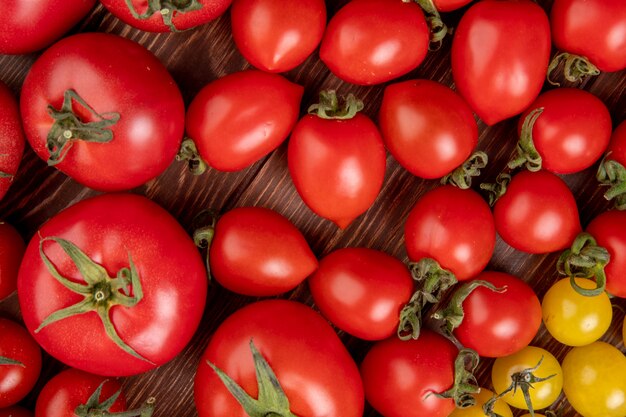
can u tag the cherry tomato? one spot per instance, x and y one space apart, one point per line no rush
372 41
609 231
427 127
277 35
505 74
311 364
20 363
11 252
116 126
15 412
450 5
11 139
501 407
140 274
617 145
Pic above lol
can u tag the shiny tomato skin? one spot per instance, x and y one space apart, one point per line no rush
171 272
537 214
11 251
362 291
450 5
617 146
609 231
372 41
117 75
11 138
277 35
316 372
238 119
500 55
454 227
15 412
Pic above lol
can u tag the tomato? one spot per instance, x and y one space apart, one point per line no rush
166 15
450 5
256 251
124 115
311 364
20 363
427 127
612 169
11 139
277 35
454 227
609 231
537 214
362 291
505 74
372 41
238 119
140 274
598 368
501 407
11 252
15 412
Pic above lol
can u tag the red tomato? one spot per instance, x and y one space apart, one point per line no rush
450 5
277 35
454 227
256 251
609 231
362 291
311 364
20 363
400 377
15 412
427 127
11 252
11 139
32 25
238 119
617 145
372 41
537 214
500 56
136 110
154 310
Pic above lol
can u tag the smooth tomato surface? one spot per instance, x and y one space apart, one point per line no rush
450 5
501 407
11 139
609 230
11 251
15 412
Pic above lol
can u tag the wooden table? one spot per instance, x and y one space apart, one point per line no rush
199 56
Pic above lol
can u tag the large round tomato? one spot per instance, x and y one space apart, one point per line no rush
11 139
373 41
609 231
114 127
135 276
277 35
427 127
504 74
15 412
500 407
311 365
11 252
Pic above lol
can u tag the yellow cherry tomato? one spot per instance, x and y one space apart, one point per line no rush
476 410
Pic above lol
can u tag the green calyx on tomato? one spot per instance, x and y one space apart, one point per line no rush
94 408
498 189
9 361
101 292
526 152
5 175
189 152
613 175
462 176
585 259
465 383
330 107
168 9
438 29
575 69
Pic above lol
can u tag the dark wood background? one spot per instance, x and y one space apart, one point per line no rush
199 56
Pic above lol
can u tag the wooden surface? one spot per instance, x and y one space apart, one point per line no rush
199 56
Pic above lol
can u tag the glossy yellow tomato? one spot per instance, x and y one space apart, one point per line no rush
476 410
574 319
594 380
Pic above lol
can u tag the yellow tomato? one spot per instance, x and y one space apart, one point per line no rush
477 410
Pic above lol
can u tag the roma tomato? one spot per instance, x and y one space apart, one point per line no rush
112 295
11 252
427 127
505 74
238 119
116 126
609 231
612 170
500 407
256 251
20 363
294 340
372 41
277 35
11 139
450 5
15 412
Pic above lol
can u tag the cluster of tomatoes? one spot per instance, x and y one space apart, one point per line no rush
113 286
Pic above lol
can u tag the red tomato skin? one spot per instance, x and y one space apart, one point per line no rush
372 41
454 227
117 75
398 376
499 324
609 230
240 118
427 127
450 5
277 35
257 252
594 29
294 340
17 381
15 412
11 251
12 140
537 214
500 55
617 146
171 270
362 291
71 388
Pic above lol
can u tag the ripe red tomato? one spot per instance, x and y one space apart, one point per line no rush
427 127
372 41
256 251
139 270
11 252
11 139
129 125
617 145
15 412
612 170
362 291
450 5
312 366
20 363
504 74
609 231
277 35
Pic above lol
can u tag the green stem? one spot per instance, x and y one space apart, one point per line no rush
167 9
94 408
613 175
331 108
526 152
585 259
463 175
9 361
576 67
465 383
189 152
205 223
438 29
497 190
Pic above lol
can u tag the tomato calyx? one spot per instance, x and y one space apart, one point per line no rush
5 175
465 383
438 29
331 108
526 152
462 176
205 223
9 361
168 9
497 189
613 175
94 408
100 293
189 152
576 67
585 259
